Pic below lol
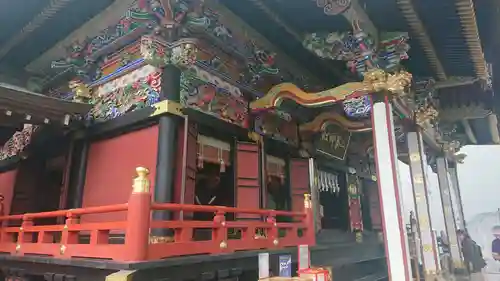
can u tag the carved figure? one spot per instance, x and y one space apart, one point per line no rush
81 91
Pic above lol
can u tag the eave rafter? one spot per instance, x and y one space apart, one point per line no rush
47 13
467 15
418 30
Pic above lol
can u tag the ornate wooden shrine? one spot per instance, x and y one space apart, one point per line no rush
277 108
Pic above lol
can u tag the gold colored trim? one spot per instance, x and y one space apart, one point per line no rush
416 25
375 81
161 239
335 118
141 182
167 106
467 15
62 249
122 275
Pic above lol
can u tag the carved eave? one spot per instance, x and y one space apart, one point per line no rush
282 60
418 31
332 117
20 106
91 28
280 22
467 15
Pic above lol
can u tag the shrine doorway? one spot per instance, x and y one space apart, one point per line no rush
214 173
40 180
333 199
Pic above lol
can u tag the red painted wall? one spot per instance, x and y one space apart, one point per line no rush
7 181
111 168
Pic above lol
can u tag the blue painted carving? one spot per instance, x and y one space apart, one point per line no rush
359 50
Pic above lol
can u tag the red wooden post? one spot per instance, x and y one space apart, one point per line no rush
67 237
310 233
219 232
273 233
138 218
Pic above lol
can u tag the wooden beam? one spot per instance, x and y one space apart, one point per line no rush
356 14
418 30
467 15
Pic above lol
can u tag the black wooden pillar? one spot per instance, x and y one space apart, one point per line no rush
78 172
168 128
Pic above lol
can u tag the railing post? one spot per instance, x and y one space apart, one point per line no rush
273 232
310 233
219 232
67 237
24 237
138 218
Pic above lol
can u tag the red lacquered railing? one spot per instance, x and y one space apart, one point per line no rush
130 240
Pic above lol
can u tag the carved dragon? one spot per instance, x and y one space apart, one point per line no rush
374 81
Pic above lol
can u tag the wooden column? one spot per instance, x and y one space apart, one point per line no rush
452 168
449 216
418 169
395 238
78 173
168 128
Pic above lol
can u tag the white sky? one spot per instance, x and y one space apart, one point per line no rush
479 177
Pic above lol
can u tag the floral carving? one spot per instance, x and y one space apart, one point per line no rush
211 95
81 55
17 142
142 93
359 50
181 53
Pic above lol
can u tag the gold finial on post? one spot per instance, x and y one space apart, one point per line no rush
141 182
307 201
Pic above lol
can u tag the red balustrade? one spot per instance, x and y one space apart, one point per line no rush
129 240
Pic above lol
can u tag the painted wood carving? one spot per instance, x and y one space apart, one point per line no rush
359 49
256 65
247 177
138 89
81 55
17 142
354 193
299 182
211 95
332 141
278 125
